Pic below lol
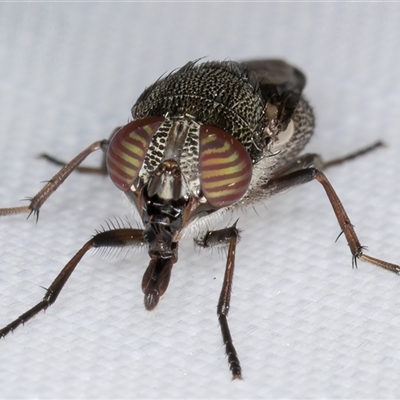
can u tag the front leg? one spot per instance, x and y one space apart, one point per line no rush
119 237
54 183
223 237
100 170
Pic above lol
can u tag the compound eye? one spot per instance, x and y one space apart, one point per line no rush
225 167
127 150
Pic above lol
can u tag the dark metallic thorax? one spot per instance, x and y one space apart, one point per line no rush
213 93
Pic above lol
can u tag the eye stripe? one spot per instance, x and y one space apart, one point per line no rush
225 167
224 183
211 150
124 158
229 195
135 143
118 173
211 160
115 162
233 169
127 150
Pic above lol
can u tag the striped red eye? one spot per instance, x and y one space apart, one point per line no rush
127 150
225 167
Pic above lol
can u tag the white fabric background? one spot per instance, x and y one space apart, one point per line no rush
305 324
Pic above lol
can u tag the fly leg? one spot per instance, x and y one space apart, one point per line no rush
281 183
101 170
227 236
111 238
352 156
316 161
51 186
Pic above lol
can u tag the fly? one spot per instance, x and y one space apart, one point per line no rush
206 139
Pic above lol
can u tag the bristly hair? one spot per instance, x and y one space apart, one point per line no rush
111 224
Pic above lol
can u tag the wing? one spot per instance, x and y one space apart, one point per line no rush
278 83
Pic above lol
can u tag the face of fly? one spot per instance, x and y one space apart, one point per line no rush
175 171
